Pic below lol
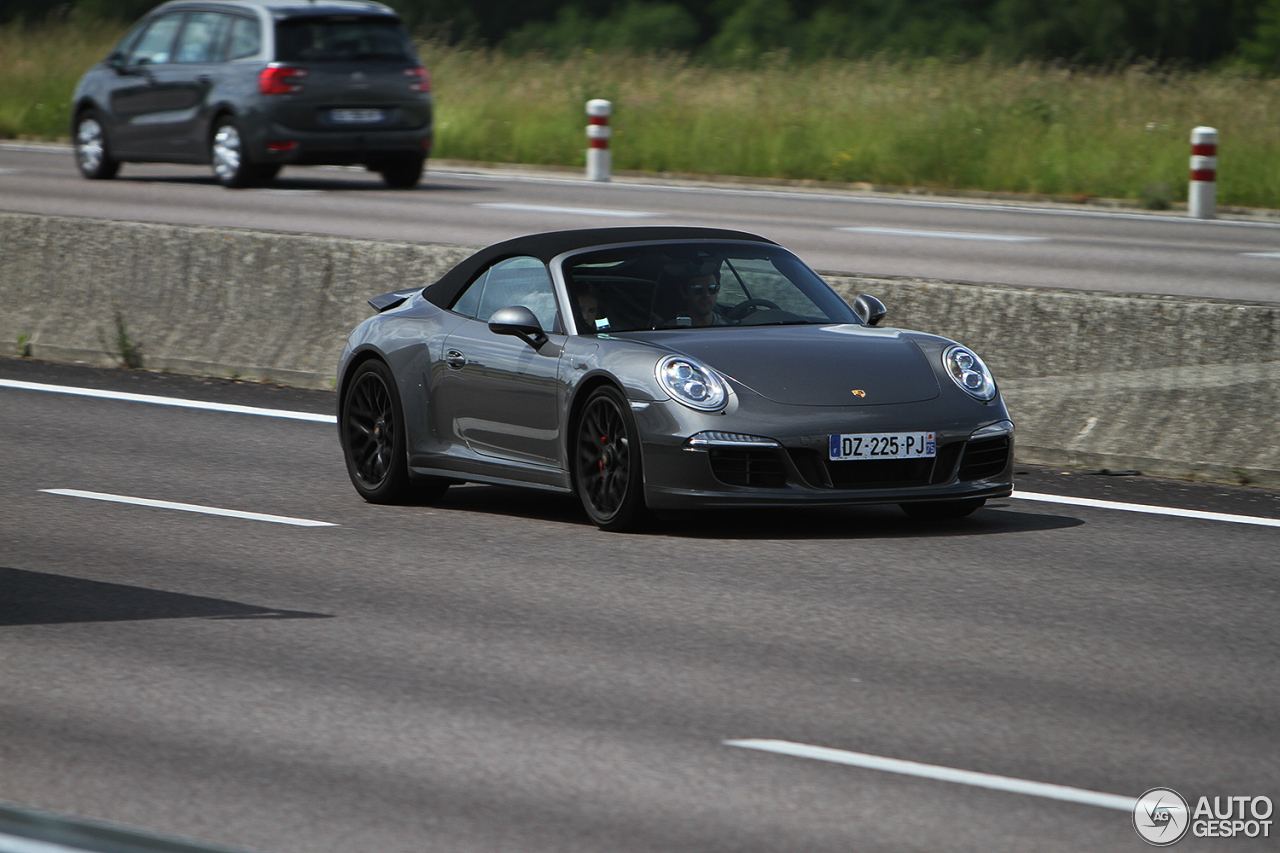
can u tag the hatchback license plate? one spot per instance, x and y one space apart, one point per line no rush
882 445
356 116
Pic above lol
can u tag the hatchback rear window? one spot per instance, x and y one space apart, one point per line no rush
343 39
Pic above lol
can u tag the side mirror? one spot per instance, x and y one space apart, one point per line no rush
519 321
870 309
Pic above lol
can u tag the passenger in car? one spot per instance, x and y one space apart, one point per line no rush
589 309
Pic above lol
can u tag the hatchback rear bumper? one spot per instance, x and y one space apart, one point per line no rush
287 146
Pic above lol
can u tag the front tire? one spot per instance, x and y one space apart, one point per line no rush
943 510
608 472
231 165
93 154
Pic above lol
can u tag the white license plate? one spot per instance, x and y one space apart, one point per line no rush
882 445
356 116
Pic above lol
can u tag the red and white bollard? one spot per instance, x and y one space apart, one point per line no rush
599 162
1202 197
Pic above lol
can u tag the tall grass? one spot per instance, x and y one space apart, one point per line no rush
39 67
972 125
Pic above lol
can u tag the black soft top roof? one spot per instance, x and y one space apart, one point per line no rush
546 246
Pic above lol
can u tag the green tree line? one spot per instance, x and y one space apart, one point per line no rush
1086 32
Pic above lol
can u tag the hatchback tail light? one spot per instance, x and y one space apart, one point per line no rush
419 79
281 80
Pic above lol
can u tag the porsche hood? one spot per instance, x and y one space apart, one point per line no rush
837 365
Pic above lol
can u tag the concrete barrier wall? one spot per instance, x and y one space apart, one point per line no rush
1164 385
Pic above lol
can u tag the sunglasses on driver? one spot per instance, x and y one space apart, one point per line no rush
697 289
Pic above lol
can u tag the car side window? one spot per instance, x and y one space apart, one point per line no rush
155 45
521 281
246 38
515 281
202 38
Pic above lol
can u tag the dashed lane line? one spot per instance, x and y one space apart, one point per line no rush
942 774
944 235
572 211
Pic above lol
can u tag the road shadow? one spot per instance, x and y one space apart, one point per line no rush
309 183
764 523
38 598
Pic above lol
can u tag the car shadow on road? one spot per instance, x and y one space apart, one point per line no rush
353 182
863 522
39 598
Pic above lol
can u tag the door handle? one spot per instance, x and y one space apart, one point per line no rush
455 359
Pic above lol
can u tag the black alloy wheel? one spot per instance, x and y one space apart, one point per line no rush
607 468
942 510
93 154
373 439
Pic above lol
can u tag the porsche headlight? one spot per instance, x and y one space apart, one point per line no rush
968 371
691 383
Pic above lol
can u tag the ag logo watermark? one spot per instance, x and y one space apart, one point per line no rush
1161 817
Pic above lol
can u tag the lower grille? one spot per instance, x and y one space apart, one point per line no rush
877 473
984 458
759 468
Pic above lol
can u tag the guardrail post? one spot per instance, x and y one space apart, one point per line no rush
599 161
1202 197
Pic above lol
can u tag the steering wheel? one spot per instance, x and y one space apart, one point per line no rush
742 309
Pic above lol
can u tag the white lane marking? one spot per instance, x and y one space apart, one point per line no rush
1152 510
943 774
332 419
946 235
17 844
1262 254
169 401
204 510
10 171
572 211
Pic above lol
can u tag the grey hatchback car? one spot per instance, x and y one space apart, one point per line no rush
250 86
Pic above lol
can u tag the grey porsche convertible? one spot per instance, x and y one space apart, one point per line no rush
660 368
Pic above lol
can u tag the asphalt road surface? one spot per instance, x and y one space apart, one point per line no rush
494 674
1020 244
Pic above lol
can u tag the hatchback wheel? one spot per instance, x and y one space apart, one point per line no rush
93 156
402 173
608 474
231 165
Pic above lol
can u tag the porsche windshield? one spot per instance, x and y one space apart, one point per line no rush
667 286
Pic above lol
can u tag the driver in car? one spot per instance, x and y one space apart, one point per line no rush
700 293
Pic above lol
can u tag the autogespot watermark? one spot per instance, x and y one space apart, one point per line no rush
1162 817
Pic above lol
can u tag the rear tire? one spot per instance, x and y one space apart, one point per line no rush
402 173
608 474
943 510
93 154
374 443
231 165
